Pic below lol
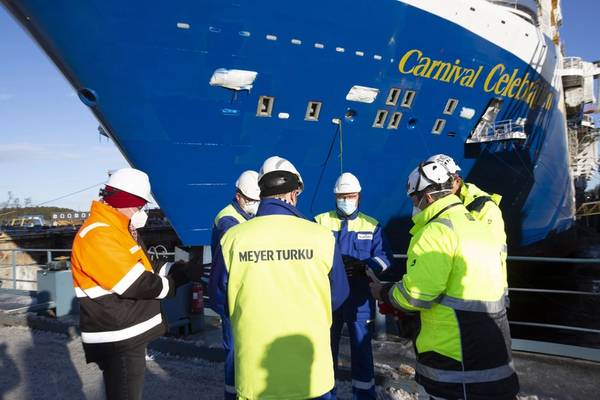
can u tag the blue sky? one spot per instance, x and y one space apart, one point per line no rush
49 145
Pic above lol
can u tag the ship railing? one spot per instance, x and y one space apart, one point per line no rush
572 62
499 130
558 349
9 261
15 262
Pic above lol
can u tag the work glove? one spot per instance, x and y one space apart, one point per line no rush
353 266
183 272
386 309
195 271
177 273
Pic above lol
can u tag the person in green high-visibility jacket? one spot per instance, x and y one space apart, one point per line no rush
454 282
279 276
483 206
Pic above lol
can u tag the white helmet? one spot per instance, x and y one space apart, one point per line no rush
347 183
446 161
132 181
276 172
247 183
426 174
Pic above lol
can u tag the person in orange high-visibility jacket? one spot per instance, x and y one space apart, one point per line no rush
118 291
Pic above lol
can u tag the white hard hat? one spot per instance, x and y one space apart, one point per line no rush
426 174
132 181
247 183
276 171
347 183
446 161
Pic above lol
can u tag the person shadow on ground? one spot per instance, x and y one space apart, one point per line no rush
8 372
48 370
286 368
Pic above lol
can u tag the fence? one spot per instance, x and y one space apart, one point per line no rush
18 267
160 252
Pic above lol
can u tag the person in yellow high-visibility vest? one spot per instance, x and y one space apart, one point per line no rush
454 281
279 276
243 207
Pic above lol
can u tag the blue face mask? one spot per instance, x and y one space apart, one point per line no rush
347 206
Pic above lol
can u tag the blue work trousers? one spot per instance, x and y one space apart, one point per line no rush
363 376
230 393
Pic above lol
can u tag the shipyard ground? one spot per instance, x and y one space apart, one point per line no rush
38 364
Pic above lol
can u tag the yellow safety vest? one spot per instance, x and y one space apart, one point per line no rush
229 211
279 300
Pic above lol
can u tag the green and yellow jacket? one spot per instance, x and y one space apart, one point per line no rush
455 280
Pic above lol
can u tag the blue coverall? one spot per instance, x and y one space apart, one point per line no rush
221 226
358 236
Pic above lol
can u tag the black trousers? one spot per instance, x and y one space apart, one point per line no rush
124 374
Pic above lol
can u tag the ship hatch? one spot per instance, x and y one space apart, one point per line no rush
265 106
438 127
393 97
313 111
395 120
409 97
380 118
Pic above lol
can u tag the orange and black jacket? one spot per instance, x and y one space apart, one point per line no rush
119 292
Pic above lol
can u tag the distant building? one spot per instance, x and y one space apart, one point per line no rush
69 218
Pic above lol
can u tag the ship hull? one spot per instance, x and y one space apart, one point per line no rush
145 72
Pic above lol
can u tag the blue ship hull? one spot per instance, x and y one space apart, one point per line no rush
144 70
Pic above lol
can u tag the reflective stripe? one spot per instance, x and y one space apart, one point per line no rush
134 273
164 270
444 221
230 389
506 298
127 333
363 385
381 263
477 376
411 300
134 249
96 291
473 305
92 293
88 228
165 288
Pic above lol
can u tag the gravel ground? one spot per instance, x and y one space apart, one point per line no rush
44 365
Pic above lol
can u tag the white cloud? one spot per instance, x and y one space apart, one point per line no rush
5 96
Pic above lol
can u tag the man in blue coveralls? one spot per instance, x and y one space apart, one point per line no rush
362 246
243 207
